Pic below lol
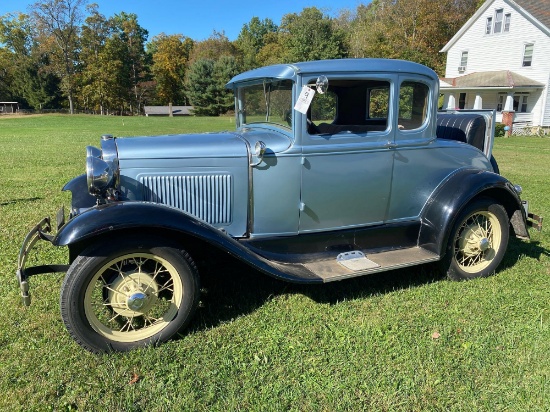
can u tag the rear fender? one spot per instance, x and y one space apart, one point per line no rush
444 206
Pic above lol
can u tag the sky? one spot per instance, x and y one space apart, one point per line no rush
199 18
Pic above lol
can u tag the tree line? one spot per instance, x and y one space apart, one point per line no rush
65 53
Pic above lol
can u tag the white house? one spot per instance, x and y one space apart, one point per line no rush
500 59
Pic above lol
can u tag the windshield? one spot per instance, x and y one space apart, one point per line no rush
267 102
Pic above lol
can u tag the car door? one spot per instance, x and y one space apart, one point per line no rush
347 155
421 163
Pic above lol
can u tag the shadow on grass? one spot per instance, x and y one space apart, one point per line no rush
15 201
231 289
519 248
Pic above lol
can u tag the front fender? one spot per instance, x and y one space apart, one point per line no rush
81 198
113 217
442 209
124 216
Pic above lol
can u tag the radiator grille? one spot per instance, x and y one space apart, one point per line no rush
207 197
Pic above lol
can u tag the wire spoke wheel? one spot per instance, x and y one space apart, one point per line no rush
141 292
133 297
477 241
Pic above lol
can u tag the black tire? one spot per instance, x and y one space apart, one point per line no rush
129 293
478 241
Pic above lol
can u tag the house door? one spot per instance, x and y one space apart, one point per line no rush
462 101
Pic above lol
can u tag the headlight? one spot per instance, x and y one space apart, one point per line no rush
99 175
102 168
93 152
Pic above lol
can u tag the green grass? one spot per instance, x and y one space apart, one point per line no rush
260 344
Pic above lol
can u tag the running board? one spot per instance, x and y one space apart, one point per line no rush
328 270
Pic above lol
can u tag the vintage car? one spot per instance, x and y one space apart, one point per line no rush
337 169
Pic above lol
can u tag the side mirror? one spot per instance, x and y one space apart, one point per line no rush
321 84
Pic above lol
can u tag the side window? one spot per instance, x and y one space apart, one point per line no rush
323 107
350 106
378 103
413 105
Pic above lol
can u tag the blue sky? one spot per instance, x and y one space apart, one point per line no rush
199 18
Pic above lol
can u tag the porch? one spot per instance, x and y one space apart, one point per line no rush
502 91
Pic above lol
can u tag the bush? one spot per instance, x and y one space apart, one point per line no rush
499 130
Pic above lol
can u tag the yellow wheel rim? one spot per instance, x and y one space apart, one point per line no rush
477 241
133 297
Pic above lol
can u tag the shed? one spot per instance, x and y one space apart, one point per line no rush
9 107
165 110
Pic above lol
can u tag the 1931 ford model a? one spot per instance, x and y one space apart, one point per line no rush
337 169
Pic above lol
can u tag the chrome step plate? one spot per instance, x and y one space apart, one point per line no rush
356 260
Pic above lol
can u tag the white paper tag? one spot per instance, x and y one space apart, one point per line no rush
304 100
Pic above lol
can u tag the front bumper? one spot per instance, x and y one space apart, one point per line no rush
40 232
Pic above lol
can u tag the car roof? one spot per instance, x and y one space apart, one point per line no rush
292 70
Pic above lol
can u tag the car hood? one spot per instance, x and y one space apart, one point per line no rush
204 145
181 146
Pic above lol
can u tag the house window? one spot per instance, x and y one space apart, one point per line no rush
464 60
500 103
520 103
528 55
498 21
489 25
507 18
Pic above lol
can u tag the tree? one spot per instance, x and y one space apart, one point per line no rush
216 46
224 70
206 85
408 29
202 88
272 52
252 38
170 55
96 76
6 70
128 43
57 22
22 66
311 35
14 35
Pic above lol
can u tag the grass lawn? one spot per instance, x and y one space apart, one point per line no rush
405 340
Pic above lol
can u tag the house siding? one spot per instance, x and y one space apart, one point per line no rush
546 115
504 51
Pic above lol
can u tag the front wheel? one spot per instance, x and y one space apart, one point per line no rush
128 293
478 241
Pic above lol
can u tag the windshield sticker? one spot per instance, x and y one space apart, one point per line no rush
304 100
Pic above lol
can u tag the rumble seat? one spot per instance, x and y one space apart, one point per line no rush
467 127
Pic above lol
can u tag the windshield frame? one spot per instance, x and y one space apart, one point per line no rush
266 113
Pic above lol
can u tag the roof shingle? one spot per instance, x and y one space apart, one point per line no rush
499 78
539 9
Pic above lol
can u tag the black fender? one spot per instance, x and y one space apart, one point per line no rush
81 198
108 220
442 209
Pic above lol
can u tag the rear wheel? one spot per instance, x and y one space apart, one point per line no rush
478 241
128 293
